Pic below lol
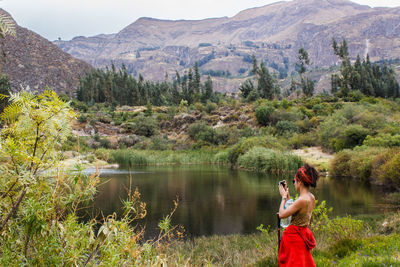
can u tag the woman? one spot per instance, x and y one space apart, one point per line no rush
297 240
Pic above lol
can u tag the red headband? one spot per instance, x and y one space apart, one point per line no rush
303 176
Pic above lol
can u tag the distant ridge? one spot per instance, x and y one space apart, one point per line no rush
34 62
273 33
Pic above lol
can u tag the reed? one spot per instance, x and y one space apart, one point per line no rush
269 161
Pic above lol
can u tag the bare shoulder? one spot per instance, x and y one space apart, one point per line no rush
312 200
301 200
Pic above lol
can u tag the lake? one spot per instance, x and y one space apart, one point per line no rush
218 200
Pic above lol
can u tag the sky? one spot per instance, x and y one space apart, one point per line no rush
66 19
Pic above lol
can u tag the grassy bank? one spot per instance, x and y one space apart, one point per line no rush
255 159
340 242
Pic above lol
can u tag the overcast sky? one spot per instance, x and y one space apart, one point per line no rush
69 18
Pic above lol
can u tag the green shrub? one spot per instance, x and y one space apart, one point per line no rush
322 109
263 114
362 163
199 106
202 132
245 144
210 107
345 247
382 140
221 158
340 164
128 158
145 126
82 118
390 170
334 230
354 135
286 127
299 140
354 96
159 143
222 135
269 161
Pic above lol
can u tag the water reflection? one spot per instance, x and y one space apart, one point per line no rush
217 200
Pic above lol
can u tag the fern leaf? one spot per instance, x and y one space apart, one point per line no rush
2 97
11 113
7 25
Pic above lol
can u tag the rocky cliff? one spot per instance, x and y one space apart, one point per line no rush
32 61
273 33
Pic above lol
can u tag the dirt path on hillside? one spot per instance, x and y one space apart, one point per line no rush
315 156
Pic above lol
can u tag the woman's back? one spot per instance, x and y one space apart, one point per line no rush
303 216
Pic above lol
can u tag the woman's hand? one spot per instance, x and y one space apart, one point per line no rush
284 191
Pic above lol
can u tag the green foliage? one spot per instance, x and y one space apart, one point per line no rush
7 25
390 170
269 161
145 126
286 127
210 107
263 114
119 86
363 163
353 135
82 118
383 140
334 230
362 77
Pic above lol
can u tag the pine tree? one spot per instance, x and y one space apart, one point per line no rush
307 85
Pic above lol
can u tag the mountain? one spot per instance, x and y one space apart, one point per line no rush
32 61
223 46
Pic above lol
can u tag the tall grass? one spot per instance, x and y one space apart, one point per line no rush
130 157
378 246
269 161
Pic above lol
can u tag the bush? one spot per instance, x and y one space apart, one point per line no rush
362 163
210 107
269 161
351 136
382 140
354 96
340 165
334 230
145 126
199 106
322 109
159 143
300 140
82 118
263 114
202 132
390 171
286 127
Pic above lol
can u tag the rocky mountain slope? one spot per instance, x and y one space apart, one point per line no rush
273 33
32 61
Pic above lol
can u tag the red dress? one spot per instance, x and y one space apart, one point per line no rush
296 245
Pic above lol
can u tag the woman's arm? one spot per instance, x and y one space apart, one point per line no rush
292 209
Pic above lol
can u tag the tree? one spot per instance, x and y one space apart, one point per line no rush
370 79
39 200
245 88
267 85
208 90
307 85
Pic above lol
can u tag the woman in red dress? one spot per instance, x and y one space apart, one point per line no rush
297 239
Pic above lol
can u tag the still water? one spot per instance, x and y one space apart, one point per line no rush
218 200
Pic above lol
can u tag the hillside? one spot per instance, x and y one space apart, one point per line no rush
273 33
32 61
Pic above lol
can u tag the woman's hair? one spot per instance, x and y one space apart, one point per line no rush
308 175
